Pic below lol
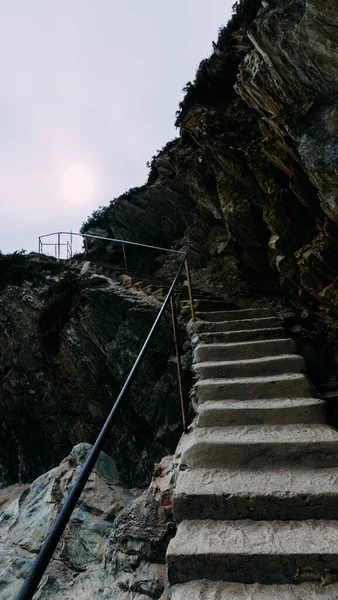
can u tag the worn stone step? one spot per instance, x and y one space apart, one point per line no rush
243 350
267 552
235 315
276 411
250 367
261 446
246 335
289 385
209 304
220 590
240 325
267 494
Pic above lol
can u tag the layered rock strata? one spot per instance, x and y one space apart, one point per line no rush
250 187
68 342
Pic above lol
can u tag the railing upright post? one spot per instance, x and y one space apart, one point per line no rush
125 258
178 359
191 300
59 249
39 245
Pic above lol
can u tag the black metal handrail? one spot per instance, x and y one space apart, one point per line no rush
46 552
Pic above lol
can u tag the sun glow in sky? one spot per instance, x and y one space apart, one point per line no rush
78 185
88 94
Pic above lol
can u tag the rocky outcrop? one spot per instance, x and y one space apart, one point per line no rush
254 173
26 520
68 342
137 548
113 546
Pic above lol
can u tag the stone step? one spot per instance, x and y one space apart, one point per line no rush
260 446
235 315
276 411
289 385
267 494
220 590
209 305
240 325
243 350
267 552
267 365
246 335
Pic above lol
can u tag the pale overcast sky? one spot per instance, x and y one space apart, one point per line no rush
88 93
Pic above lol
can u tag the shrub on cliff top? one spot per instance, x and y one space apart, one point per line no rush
94 220
215 76
16 267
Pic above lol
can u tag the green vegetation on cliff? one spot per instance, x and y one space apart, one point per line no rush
215 77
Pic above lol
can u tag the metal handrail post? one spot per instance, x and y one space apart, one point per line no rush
59 249
178 360
191 300
125 257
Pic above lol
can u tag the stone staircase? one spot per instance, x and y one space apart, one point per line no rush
256 498
148 283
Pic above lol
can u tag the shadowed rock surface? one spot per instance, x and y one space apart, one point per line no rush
67 345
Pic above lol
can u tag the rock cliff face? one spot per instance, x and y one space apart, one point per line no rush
251 185
290 79
27 513
250 189
67 344
113 547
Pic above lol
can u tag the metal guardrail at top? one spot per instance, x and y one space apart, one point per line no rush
85 236
40 565
59 244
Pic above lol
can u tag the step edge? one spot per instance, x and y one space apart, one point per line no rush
226 381
249 361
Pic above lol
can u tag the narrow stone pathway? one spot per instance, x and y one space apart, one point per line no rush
256 500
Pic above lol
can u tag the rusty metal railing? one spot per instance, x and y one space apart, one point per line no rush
47 550
58 244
